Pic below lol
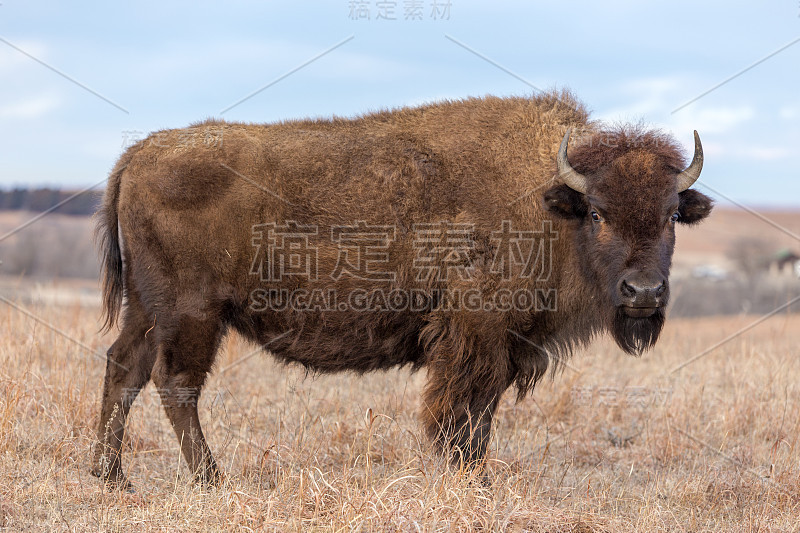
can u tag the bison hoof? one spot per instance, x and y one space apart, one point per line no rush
116 482
209 479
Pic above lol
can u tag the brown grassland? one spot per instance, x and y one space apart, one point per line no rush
612 443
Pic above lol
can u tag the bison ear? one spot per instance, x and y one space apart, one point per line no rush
693 206
565 202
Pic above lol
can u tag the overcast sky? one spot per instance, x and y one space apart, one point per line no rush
79 80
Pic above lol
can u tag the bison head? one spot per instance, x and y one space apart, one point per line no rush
624 192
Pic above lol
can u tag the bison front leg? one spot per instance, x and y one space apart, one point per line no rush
461 426
185 357
459 402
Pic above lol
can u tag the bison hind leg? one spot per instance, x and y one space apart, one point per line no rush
129 362
186 354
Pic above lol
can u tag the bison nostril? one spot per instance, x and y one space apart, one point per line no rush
661 289
627 290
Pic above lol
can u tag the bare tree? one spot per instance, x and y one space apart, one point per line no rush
751 255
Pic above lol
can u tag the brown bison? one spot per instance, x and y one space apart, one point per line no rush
458 236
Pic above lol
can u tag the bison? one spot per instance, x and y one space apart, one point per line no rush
465 237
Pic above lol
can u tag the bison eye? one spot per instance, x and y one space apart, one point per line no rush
595 216
675 216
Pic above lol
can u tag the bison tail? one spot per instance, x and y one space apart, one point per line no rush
107 236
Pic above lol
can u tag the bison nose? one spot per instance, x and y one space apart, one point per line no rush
642 289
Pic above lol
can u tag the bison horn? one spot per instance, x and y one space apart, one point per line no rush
571 178
687 178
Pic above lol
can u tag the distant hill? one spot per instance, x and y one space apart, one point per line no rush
729 264
65 202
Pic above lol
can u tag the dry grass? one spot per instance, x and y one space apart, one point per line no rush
612 444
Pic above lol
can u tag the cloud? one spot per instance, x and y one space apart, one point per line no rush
715 119
789 112
741 151
653 100
721 127
266 60
35 107
11 59
766 153
711 149
646 96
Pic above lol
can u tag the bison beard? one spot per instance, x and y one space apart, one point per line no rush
635 335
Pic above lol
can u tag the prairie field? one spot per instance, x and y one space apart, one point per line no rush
700 434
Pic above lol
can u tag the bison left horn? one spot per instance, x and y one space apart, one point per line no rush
687 178
571 178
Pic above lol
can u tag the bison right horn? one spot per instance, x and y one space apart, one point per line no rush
571 178
687 178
